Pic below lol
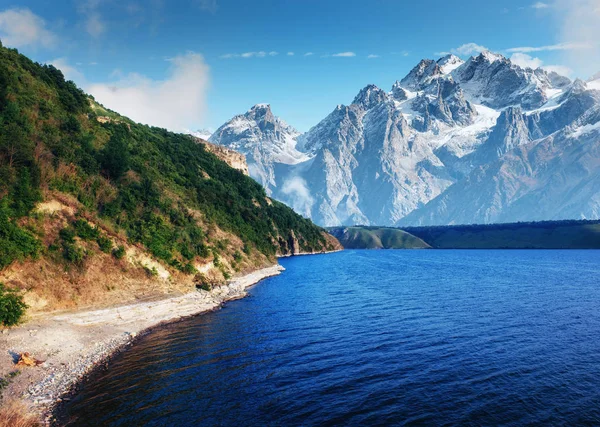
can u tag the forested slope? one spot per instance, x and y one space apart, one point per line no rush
85 191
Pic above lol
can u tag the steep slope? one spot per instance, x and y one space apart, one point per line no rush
266 140
557 177
97 209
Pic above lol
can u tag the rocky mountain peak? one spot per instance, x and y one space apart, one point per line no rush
398 92
260 112
449 63
369 96
490 57
429 150
424 70
557 80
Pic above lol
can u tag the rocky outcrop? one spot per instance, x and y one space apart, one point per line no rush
231 157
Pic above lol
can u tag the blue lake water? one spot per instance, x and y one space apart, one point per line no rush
410 337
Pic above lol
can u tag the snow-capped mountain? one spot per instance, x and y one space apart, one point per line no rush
201 133
266 140
482 140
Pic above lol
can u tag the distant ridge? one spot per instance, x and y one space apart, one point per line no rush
569 234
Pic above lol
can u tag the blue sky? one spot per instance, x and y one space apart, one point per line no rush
196 63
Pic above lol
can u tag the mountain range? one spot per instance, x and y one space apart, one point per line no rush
453 142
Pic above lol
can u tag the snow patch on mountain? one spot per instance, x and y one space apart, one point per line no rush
453 141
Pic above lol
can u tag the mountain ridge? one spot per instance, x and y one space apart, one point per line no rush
387 157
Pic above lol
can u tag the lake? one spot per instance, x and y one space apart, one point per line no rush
413 337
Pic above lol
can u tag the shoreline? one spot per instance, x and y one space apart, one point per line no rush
310 253
74 344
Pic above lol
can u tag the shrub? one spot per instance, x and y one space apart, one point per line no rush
73 253
237 256
12 307
15 243
84 230
189 268
67 235
104 243
119 252
151 271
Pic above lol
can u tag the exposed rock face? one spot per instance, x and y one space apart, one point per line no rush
452 142
496 82
231 157
264 139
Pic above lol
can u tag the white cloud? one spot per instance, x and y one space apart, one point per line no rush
70 72
371 56
259 54
469 49
208 5
559 69
527 61
344 55
540 5
290 54
553 47
578 24
176 103
93 23
21 27
308 54
297 190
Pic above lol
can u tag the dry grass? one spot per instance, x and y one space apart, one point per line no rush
14 413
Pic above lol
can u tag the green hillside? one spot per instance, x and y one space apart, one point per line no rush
376 238
119 183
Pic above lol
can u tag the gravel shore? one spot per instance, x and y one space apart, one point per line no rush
72 344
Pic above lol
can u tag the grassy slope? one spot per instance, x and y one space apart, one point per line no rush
105 183
376 238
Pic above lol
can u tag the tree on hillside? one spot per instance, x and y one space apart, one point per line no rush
115 154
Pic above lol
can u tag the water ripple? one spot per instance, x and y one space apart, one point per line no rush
464 338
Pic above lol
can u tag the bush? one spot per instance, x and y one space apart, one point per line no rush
15 242
73 253
189 268
104 243
12 307
67 235
119 252
84 230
